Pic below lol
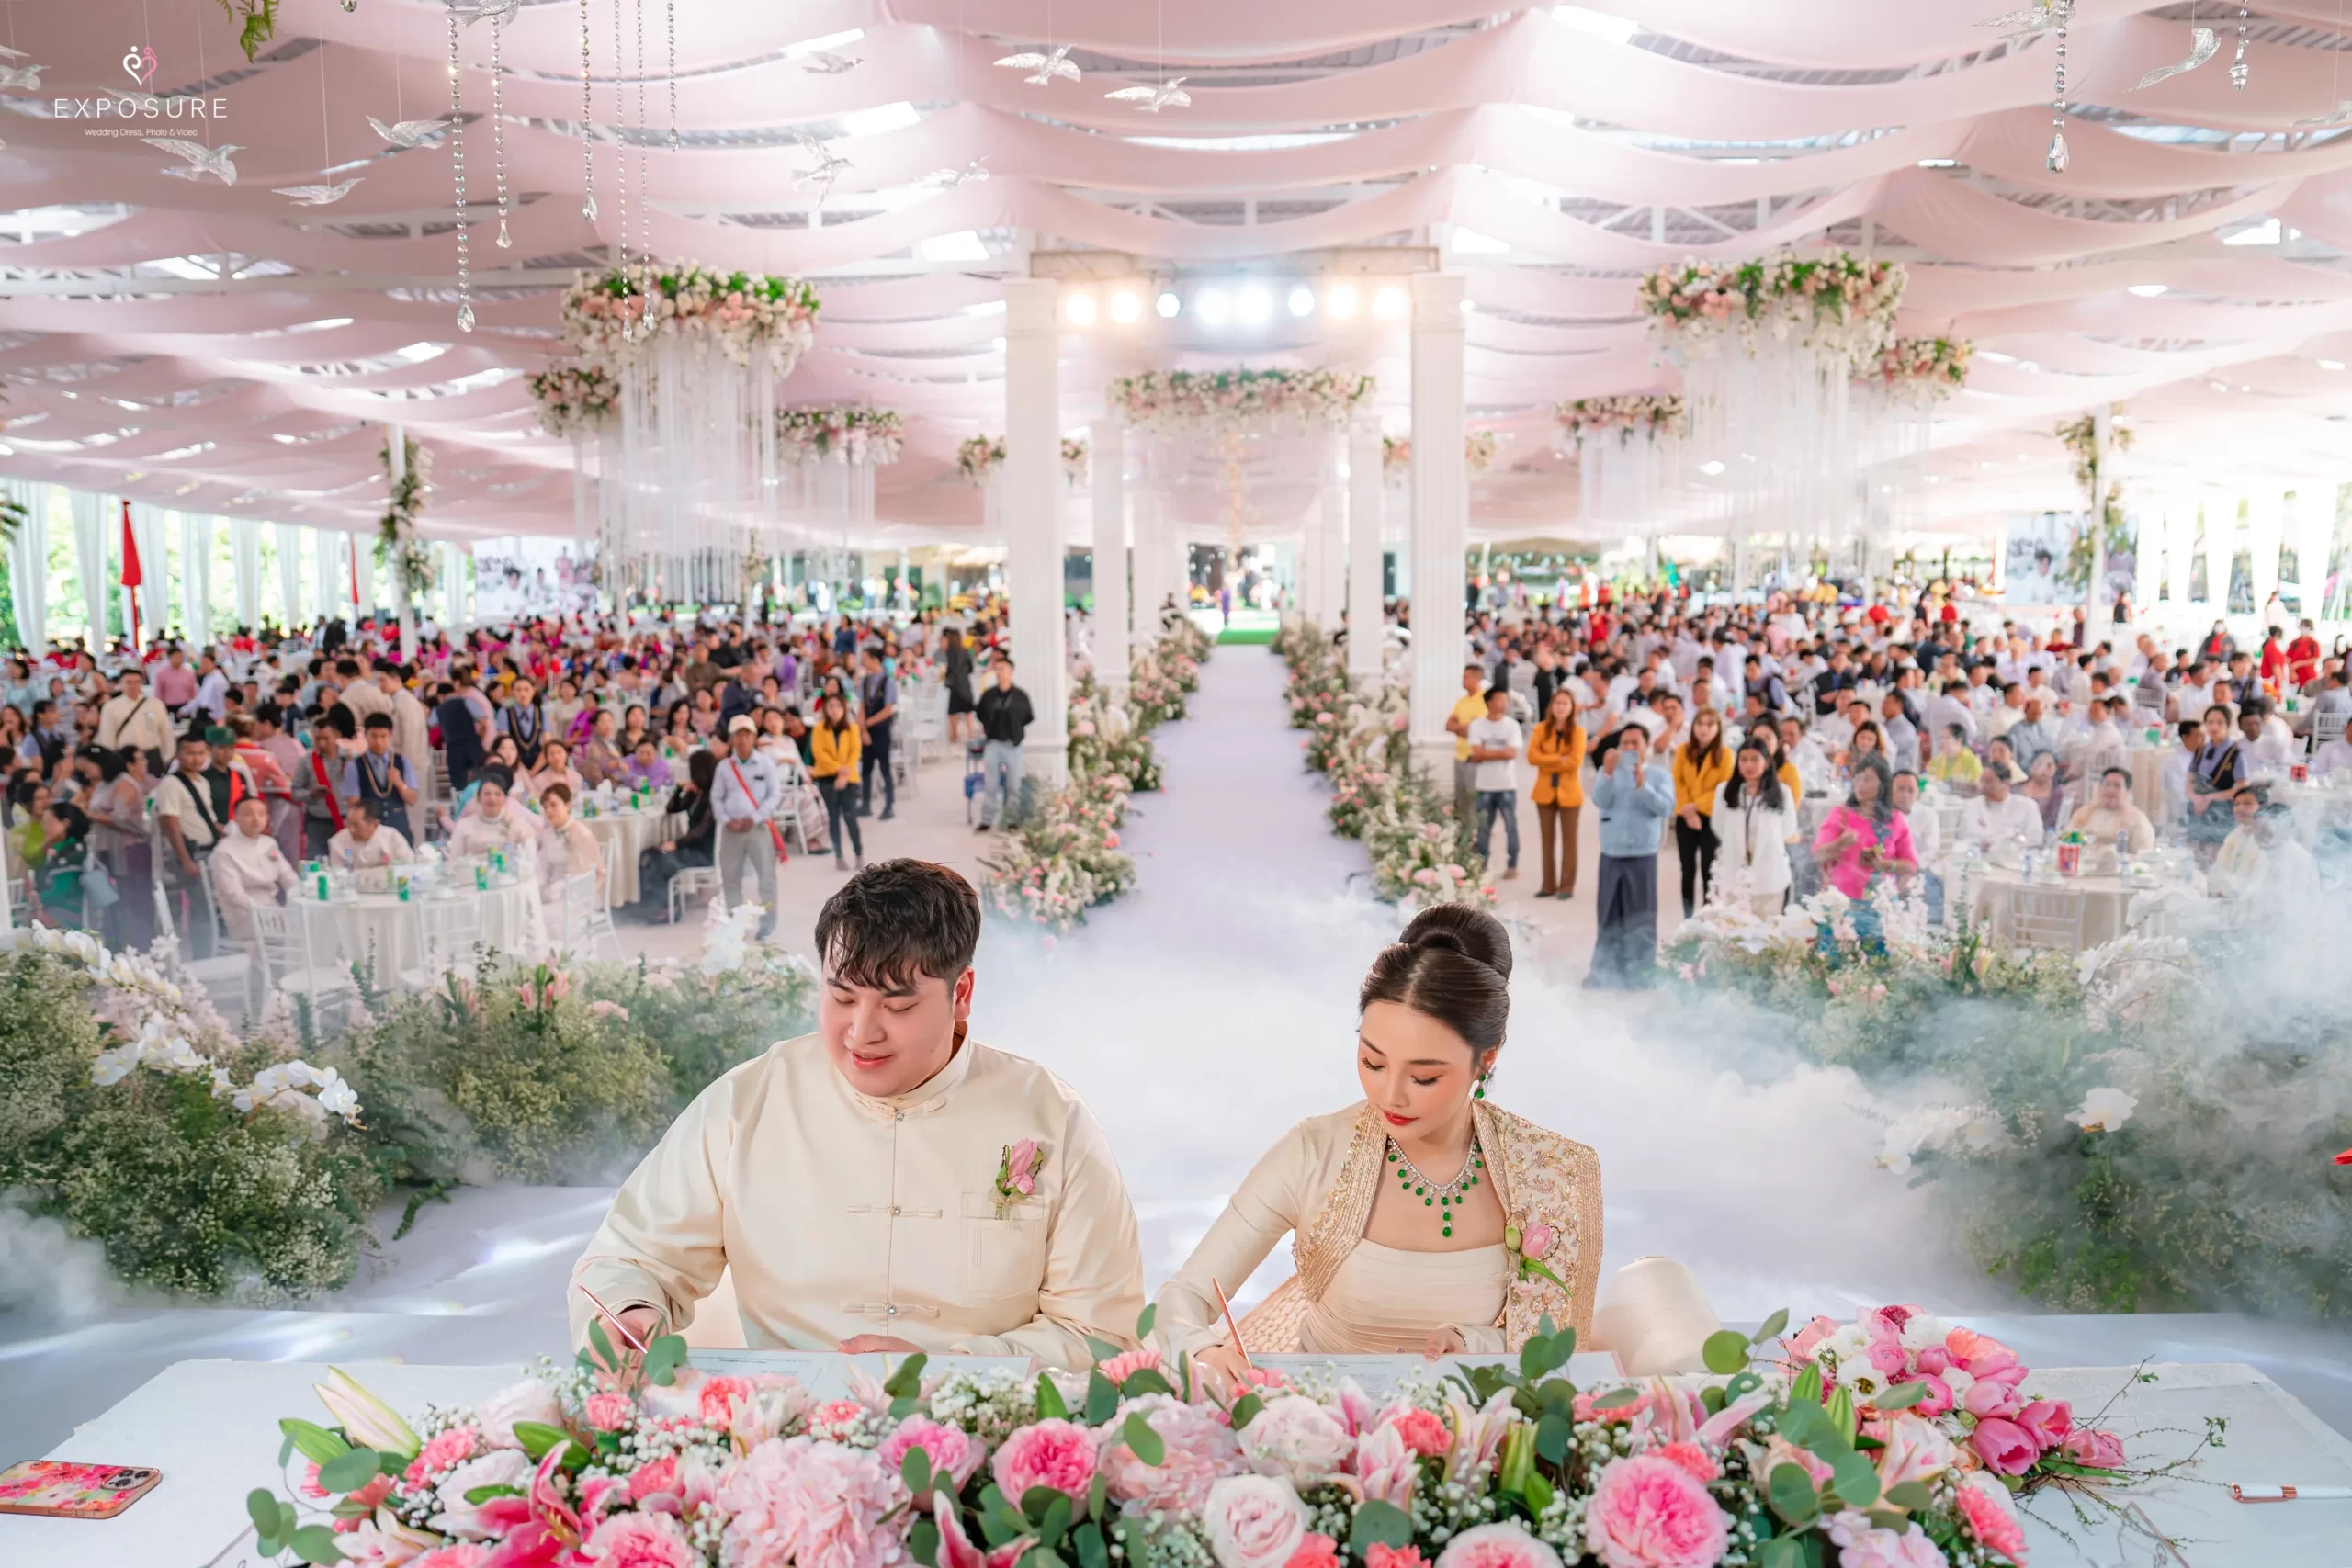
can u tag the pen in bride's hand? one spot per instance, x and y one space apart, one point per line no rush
1230 1326
622 1328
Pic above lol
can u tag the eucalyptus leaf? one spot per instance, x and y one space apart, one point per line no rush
1792 1495
1102 1349
1617 1399
1902 1396
1144 1320
1087 1541
1856 1479
915 1470
663 1357
316 1544
1771 1328
1726 1351
350 1469
1146 1379
1055 1524
1051 1407
1142 1441
1551 1438
602 1343
922 1542
1101 1398
261 1506
1245 1410
1912 1495
1380 1524
905 1380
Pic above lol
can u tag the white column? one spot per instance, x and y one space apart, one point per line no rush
90 560
289 575
2264 526
196 577
1110 484
329 589
1331 558
396 448
1367 626
1440 489
1306 573
1033 483
155 577
245 554
2094 591
28 566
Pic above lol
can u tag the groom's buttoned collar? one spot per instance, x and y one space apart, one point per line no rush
924 1098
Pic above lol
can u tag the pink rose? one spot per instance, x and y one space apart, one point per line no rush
2006 1448
2094 1449
809 1504
1497 1546
1984 1509
1648 1512
1316 1552
1196 1448
640 1540
1424 1431
1058 1454
1253 1521
1021 1166
950 1449
2048 1421
648 1480
1810 1337
717 1397
1296 1438
610 1412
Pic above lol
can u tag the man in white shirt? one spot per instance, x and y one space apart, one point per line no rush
1901 735
2112 812
137 720
248 868
1495 743
365 843
2008 714
2271 746
745 796
2101 745
212 687
1998 814
1950 706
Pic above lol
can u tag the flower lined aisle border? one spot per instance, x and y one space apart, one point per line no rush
1654 415
1192 401
576 399
1420 855
1781 1455
840 433
1836 302
978 457
1016 1174
1065 859
1478 449
1924 370
611 318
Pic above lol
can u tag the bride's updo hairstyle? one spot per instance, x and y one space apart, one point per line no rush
1452 963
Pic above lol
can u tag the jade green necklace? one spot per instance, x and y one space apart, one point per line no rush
1442 1196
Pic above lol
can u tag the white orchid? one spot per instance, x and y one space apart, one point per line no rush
2104 1110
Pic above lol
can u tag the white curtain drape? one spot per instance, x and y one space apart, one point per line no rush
363 557
156 578
196 577
91 544
445 601
244 552
327 549
289 575
29 566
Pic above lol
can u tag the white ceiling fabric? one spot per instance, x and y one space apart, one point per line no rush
1553 164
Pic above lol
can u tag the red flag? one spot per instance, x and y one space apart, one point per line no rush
131 574
354 584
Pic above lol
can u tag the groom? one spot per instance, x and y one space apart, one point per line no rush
861 1182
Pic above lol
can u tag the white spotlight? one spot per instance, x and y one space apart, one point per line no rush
1079 309
1127 306
1302 300
1255 306
1168 304
1340 301
1390 304
1712 466
1213 306
2146 291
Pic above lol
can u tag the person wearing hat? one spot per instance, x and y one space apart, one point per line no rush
744 797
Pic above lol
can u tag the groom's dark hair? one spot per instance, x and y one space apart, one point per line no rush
896 921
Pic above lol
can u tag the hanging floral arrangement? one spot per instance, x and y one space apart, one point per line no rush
1924 369
1074 459
398 546
1187 400
609 318
1837 302
977 459
841 432
575 397
1478 449
1655 415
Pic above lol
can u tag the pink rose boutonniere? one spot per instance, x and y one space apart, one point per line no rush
1016 1174
1531 1241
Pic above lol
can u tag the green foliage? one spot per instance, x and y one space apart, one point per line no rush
257 20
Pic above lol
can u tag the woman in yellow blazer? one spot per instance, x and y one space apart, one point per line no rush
1555 750
1702 765
834 746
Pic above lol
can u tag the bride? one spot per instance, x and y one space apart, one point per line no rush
1424 1218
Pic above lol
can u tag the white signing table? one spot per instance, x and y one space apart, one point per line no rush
210 1427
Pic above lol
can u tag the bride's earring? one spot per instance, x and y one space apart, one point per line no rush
1480 1092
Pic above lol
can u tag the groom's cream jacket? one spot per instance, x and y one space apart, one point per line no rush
842 1214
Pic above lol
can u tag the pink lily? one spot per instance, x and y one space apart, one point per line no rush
956 1548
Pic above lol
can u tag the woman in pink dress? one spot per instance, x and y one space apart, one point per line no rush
1867 835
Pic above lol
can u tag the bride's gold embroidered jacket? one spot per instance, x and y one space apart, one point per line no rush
1354 1296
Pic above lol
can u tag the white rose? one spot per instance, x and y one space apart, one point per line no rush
2104 1110
1296 1437
1253 1521
529 1400
1923 1332
501 1466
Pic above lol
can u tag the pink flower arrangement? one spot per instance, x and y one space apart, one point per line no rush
797 1503
1988 1519
640 1540
1497 1546
1648 1512
1058 1454
1314 1552
1197 1447
1382 1555
1253 1521
951 1450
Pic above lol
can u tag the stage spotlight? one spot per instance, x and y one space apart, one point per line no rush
1340 301
1127 306
1255 306
1302 300
1213 306
1390 304
1079 309
1168 304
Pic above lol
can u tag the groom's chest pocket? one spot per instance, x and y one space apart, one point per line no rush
1003 1249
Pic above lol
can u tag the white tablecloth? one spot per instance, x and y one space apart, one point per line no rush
636 831
210 1427
2107 902
380 928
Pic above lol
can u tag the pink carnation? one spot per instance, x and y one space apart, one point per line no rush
445 1449
456 1555
950 1449
1990 1521
718 1395
1648 1512
1059 1454
1424 1431
809 1504
1380 1555
2006 1448
1695 1461
640 1540
1127 1363
1497 1546
610 1412
1196 1448
1314 1552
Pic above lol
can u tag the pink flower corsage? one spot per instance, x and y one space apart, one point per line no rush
1016 1174
1530 1242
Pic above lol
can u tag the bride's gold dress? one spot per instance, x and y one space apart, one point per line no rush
1352 1296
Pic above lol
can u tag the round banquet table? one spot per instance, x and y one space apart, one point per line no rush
381 929
2318 805
636 831
2107 901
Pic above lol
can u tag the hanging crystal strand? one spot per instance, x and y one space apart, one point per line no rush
458 169
644 218
2238 68
587 124
498 128
673 74
2059 157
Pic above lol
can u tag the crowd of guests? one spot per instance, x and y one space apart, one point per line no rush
1713 724
211 773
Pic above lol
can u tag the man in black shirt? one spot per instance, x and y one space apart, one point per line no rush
1005 717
